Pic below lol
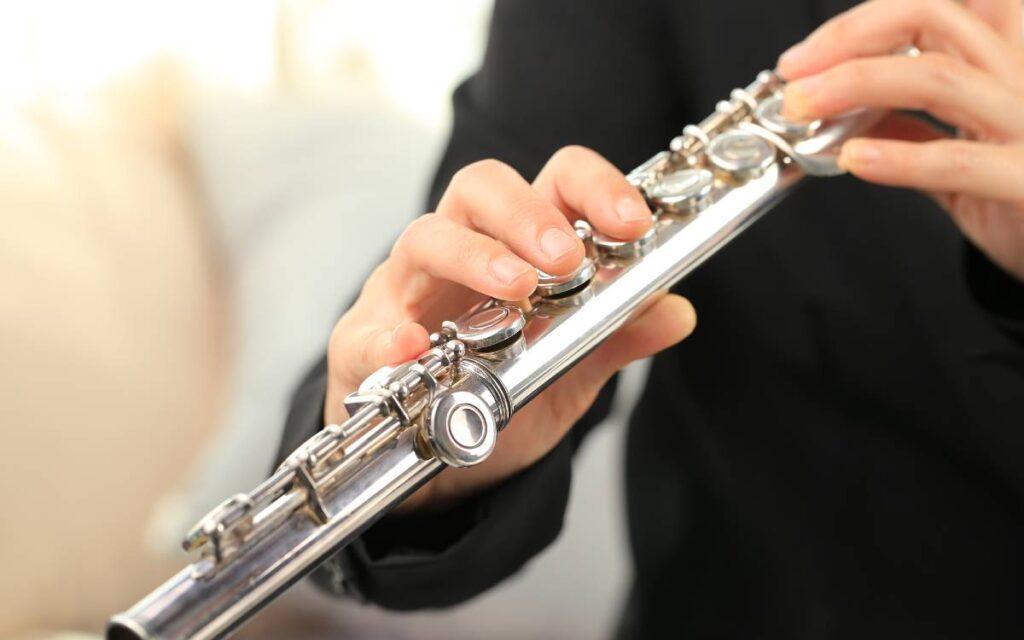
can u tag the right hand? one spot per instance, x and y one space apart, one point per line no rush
490 233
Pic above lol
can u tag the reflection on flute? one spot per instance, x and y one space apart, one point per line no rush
446 408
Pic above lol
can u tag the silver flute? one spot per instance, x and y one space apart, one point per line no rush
446 408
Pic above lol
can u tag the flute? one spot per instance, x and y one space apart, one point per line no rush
446 408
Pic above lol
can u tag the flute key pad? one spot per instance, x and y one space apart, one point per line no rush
549 286
490 326
612 250
769 115
740 156
684 191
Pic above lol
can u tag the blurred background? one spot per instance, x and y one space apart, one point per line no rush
189 192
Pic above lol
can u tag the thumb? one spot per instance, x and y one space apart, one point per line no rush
665 322
355 354
408 341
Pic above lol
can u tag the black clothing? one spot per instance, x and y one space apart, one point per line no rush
837 451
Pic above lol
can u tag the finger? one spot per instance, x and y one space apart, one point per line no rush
937 83
408 341
880 27
364 349
958 166
1004 16
442 248
584 185
492 197
666 322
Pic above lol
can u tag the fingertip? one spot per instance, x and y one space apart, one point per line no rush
676 318
520 289
633 215
408 340
799 98
859 155
623 214
511 276
561 251
794 60
685 313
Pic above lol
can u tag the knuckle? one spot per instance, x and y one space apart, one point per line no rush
942 72
839 27
370 348
479 170
340 345
377 278
912 6
523 214
413 234
571 154
465 251
336 343
852 74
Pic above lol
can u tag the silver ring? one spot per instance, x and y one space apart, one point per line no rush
698 133
741 94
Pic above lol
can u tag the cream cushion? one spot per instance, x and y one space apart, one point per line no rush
112 355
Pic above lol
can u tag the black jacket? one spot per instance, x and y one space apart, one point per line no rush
838 451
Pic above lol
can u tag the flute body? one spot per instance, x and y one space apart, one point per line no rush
446 408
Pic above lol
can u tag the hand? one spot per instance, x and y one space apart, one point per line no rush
491 230
970 74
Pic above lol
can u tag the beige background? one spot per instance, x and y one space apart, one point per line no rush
171 256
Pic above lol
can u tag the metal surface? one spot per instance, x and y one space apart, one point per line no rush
769 115
613 251
461 429
549 286
489 326
408 421
683 192
740 155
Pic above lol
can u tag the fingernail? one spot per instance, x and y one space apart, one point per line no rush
799 93
508 269
859 153
629 210
556 243
794 56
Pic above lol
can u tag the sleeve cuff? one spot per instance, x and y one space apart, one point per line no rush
437 560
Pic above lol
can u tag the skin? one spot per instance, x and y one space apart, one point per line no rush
491 231
970 75
492 228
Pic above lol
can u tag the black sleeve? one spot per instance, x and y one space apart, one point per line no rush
555 72
417 561
999 294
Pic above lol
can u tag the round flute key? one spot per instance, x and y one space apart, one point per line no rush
769 115
683 191
461 428
612 250
490 326
740 155
549 285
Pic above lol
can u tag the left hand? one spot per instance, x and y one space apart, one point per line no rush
970 74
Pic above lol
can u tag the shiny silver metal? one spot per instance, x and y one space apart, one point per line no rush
549 286
407 422
490 325
740 156
614 251
461 429
769 115
683 192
